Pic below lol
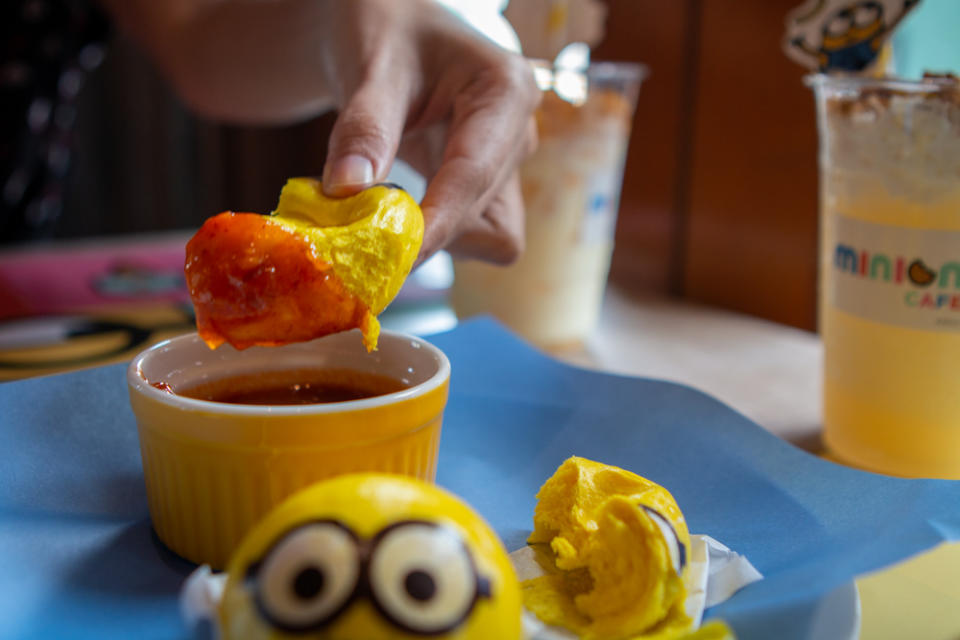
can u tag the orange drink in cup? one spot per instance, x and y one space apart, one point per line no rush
890 272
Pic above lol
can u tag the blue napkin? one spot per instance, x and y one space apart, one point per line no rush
78 558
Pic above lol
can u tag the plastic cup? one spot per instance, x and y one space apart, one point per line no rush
214 469
890 273
571 189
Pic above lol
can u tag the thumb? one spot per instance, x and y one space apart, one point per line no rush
363 141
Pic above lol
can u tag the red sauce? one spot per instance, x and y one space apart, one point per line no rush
295 387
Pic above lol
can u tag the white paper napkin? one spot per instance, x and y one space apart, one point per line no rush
728 571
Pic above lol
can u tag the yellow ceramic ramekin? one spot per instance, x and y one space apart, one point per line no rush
213 469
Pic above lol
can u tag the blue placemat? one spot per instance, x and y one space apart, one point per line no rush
78 559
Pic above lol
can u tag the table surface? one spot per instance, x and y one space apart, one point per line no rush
766 371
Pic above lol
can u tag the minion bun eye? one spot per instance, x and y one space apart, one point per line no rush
308 577
678 552
423 578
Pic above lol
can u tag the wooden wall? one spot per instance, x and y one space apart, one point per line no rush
720 193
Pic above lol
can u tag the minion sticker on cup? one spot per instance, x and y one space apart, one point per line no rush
842 35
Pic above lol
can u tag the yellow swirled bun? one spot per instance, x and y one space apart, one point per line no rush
317 266
617 544
371 556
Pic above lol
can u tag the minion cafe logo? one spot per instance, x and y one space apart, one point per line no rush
929 288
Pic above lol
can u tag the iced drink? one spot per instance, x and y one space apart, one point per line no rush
571 189
890 272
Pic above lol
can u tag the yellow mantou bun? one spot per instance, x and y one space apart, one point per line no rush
618 543
317 266
371 239
371 556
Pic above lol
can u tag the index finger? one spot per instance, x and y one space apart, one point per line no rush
486 138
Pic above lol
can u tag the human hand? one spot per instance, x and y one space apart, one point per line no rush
410 79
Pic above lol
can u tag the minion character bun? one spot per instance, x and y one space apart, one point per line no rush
616 547
371 556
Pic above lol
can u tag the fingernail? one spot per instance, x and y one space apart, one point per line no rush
347 175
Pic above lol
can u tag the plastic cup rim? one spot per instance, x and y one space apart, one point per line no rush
909 85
